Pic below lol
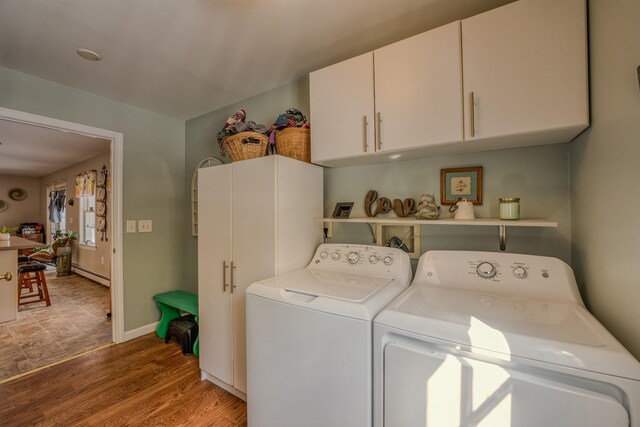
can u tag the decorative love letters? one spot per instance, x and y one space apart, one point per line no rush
383 205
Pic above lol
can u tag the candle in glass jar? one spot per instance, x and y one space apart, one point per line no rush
509 208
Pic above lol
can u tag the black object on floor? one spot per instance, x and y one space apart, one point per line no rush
185 330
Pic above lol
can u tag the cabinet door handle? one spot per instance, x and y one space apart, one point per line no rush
378 137
472 114
364 134
224 276
233 282
6 276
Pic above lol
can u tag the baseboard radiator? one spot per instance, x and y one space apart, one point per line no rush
103 280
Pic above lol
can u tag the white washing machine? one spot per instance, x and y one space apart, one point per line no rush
500 340
310 337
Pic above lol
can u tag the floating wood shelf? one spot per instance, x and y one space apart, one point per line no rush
501 224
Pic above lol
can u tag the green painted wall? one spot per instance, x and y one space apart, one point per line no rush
153 181
201 142
605 175
539 175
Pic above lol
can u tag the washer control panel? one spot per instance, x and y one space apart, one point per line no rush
364 259
516 274
495 270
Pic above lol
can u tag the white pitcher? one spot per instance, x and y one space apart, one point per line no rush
463 209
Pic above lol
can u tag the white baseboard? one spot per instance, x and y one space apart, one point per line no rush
91 276
142 330
207 376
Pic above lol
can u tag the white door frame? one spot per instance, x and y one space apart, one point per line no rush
117 297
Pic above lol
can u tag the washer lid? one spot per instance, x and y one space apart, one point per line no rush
330 284
562 333
341 293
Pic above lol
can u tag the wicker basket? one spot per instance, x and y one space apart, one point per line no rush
294 143
246 145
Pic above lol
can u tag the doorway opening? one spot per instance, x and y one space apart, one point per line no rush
114 231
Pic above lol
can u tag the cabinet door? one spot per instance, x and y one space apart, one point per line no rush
418 84
342 109
9 288
254 245
526 65
214 249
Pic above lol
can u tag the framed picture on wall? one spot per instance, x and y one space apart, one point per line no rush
461 183
342 210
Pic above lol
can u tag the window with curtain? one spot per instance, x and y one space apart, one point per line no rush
85 191
57 209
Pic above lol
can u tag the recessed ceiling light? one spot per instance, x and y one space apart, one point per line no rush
89 54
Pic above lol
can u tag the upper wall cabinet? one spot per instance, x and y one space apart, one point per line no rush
417 102
511 77
525 71
342 109
418 90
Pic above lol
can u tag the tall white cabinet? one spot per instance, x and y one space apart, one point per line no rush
257 218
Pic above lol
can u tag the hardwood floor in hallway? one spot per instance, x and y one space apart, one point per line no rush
142 382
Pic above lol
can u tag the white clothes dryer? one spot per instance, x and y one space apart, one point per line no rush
500 340
310 337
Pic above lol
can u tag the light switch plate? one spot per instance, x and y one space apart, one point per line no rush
131 226
144 226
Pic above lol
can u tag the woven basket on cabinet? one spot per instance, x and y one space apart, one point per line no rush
294 143
246 145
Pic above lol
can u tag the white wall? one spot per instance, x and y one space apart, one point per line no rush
27 210
605 174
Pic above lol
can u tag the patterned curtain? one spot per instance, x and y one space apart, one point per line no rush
86 184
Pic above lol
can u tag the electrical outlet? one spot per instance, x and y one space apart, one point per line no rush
70 220
101 260
145 226
131 226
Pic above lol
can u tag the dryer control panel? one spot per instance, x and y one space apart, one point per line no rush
496 272
362 259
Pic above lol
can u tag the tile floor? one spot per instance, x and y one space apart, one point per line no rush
75 322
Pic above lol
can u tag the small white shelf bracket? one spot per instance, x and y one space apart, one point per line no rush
328 230
374 232
503 237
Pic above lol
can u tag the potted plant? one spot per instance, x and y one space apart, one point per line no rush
62 244
5 232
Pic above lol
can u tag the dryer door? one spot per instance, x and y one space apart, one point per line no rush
425 385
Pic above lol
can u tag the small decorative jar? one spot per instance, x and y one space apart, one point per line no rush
510 208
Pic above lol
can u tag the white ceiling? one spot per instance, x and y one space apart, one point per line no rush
29 150
183 58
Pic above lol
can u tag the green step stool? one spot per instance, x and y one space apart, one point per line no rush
171 305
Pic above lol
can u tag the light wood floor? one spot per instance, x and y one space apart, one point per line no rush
142 382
